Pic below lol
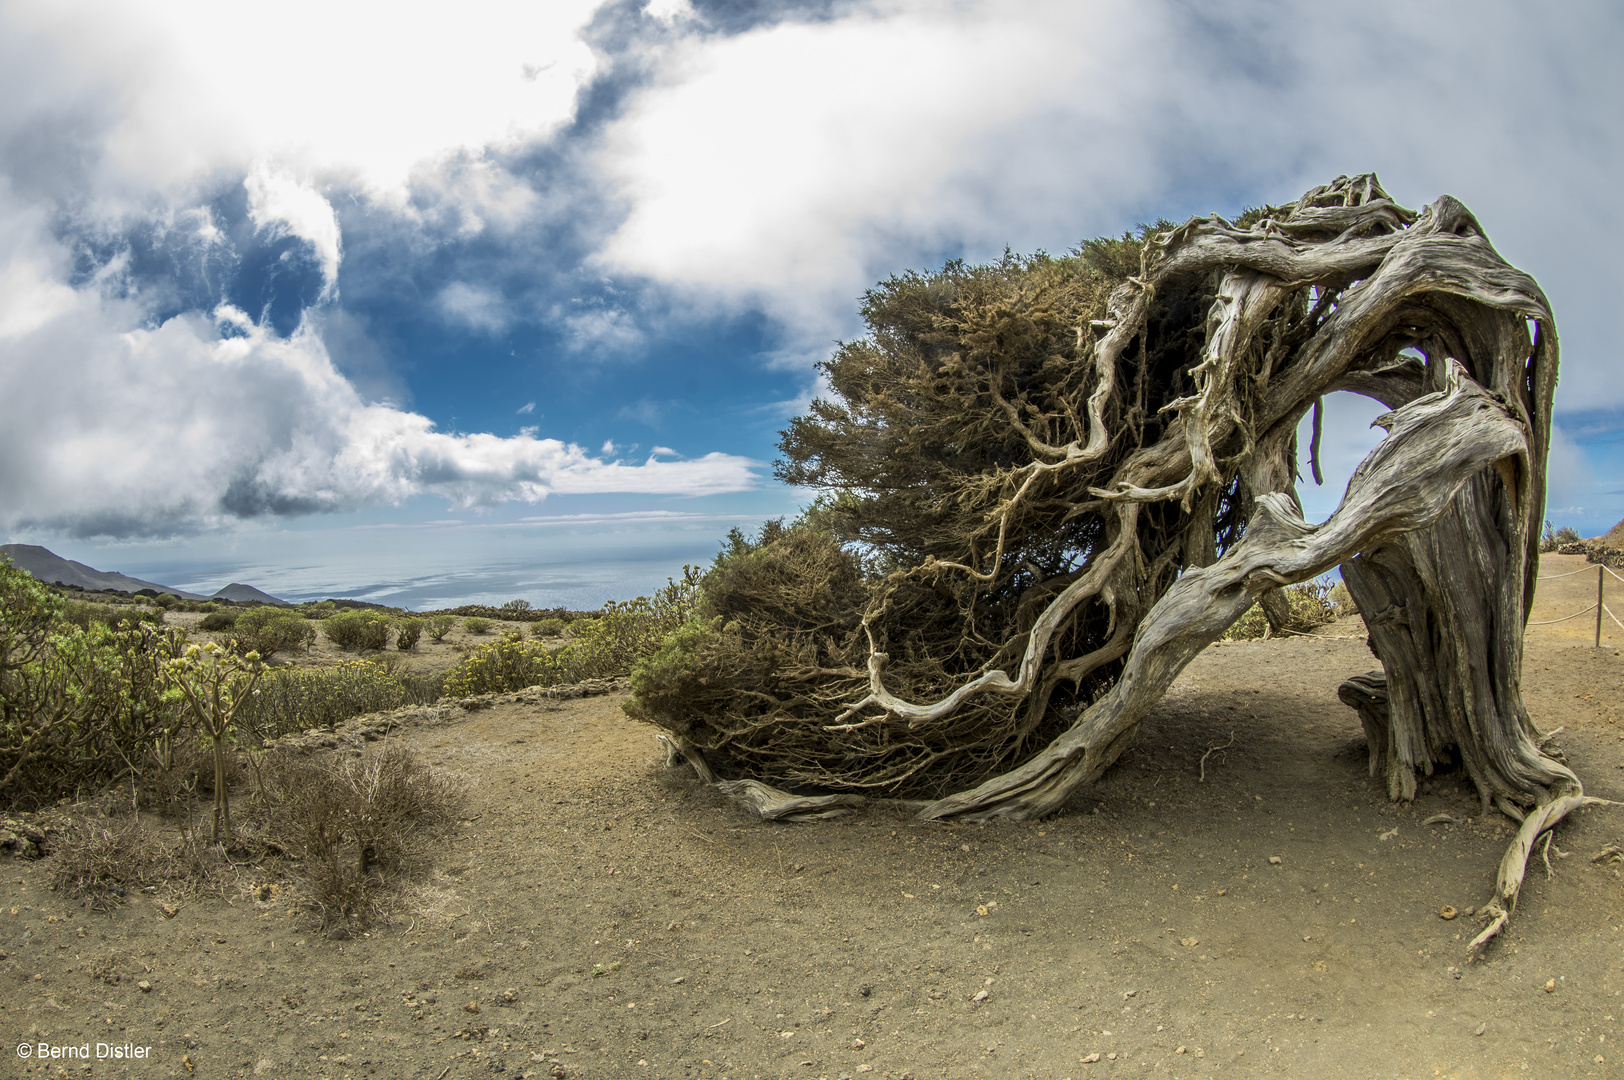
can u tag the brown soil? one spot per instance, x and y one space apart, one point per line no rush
608 917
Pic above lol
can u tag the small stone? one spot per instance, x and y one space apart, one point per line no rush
144 986
1200 1053
981 995
858 1044
1222 891
1274 860
1091 1059
510 994
471 1007
1189 942
1550 986
1180 1050
1481 1028
679 980
1110 1057
1446 913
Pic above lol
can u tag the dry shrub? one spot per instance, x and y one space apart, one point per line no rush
354 825
101 862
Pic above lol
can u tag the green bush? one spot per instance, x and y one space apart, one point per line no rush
85 614
548 628
407 632
1553 538
441 625
269 630
1310 605
506 664
357 631
476 625
602 647
218 620
289 699
80 707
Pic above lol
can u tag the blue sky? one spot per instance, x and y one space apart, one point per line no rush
510 299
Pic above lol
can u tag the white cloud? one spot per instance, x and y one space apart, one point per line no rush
792 165
329 84
282 205
527 407
602 330
116 427
474 306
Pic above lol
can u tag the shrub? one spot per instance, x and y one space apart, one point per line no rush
210 686
516 608
289 700
506 664
1553 538
354 824
218 620
548 628
476 625
441 625
102 862
356 631
269 630
407 631
1310 605
603 647
79 707
85 614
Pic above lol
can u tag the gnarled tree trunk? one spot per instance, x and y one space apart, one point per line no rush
1437 534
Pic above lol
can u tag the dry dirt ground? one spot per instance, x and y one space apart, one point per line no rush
607 917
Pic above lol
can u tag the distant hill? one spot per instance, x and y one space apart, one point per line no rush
238 594
48 566
1615 538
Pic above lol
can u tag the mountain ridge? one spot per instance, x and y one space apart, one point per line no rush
48 566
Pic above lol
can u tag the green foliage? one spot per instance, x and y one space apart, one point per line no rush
80 707
218 620
477 625
441 625
407 633
775 614
603 647
1311 605
516 608
548 628
508 663
357 631
84 614
293 699
210 684
269 630
1553 538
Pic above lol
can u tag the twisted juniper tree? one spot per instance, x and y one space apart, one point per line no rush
1051 482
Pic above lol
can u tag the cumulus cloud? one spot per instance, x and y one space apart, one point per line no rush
280 204
792 164
325 83
117 427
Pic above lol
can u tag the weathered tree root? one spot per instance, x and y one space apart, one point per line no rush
1514 864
